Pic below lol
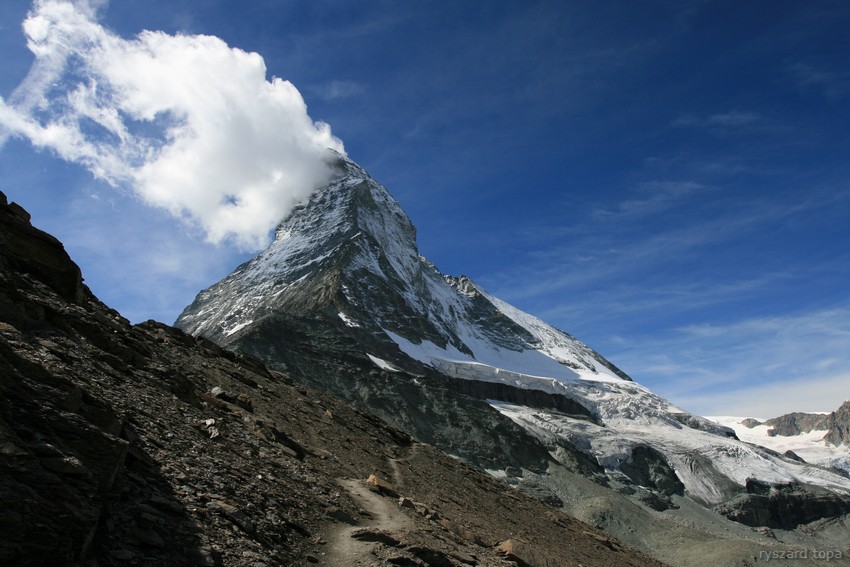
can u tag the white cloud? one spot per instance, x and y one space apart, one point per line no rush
192 125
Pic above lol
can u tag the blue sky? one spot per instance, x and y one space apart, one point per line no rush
667 181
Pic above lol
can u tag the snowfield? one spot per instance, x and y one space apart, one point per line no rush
808 446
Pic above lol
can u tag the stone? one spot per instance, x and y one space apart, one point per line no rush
381 486
122 554
149 537
431 557
793 456
339 515
65 465
525 555
374 535
202 557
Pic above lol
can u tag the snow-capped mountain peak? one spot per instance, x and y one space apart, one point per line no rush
344 273
351 246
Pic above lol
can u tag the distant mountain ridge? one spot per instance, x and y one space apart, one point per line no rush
835 424
820 438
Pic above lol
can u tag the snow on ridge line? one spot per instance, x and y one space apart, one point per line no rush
613 443
531 369
556 343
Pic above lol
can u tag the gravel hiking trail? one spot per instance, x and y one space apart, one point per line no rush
398 477
384 515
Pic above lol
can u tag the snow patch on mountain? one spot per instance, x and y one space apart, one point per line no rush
701 459
382 364
349 322
703 454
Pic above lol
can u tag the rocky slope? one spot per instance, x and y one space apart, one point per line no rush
141 445
344 302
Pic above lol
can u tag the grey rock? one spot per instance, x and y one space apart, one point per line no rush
647 467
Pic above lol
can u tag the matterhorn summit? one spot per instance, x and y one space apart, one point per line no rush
342 300
352 250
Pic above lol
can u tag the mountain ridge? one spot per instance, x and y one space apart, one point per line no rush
819 438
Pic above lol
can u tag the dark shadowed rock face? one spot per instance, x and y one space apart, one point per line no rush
647 467
783 506
32 251
423 404
141 445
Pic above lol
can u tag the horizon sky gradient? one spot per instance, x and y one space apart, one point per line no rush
669 181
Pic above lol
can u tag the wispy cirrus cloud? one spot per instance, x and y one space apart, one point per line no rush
834 84
337 90
665 284
654 197
762 366
592 255
722 120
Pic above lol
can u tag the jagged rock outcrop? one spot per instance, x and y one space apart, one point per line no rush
797 423
838 432
836 424
32 251
140 445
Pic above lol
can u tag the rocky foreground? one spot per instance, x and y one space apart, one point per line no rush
141 445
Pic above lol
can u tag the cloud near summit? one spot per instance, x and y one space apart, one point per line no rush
190 124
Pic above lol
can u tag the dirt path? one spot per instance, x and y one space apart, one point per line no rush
398 477
344 550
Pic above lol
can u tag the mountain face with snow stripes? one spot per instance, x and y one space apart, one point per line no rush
343 299
353 248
